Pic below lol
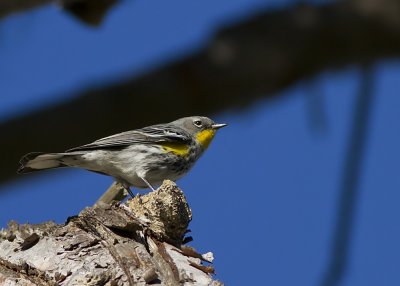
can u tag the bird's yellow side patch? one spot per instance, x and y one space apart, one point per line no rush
205 137
179 149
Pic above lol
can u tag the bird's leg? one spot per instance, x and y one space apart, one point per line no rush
147 183
128 189
130 192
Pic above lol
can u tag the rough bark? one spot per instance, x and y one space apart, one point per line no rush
139 243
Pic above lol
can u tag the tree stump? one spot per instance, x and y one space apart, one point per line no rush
138 243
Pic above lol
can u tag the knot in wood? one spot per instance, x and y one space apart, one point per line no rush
166 210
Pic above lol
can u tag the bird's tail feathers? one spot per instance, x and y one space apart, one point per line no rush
39 161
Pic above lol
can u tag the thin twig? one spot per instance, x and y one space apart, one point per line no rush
350 184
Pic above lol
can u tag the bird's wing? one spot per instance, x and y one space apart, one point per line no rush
147 135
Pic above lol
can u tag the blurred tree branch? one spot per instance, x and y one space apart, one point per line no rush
9 7
241 64
350 182
91 12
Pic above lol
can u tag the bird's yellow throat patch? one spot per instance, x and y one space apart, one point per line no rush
205 137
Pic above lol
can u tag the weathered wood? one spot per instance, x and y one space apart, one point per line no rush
139 243
116 192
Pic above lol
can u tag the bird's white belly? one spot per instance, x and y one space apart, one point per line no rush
127 165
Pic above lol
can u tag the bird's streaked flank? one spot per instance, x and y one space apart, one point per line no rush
140 158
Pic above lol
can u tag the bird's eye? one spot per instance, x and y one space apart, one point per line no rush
198 123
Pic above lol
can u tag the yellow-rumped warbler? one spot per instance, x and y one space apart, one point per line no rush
139 158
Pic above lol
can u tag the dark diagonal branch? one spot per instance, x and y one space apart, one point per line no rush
241 64
90 12
9 7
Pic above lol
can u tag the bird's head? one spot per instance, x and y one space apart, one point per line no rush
202 128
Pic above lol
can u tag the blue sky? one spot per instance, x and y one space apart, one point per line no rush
264 195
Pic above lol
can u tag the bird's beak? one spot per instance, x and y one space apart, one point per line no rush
218 126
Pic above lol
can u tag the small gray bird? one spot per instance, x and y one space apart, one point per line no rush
140 158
